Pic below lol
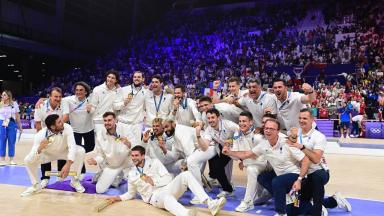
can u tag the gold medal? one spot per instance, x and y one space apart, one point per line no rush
157 114
143 176
50 139
130 96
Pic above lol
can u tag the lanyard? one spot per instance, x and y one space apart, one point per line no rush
79 105
158 106
301 137
48 106
285 102
260 98
132 87
184 103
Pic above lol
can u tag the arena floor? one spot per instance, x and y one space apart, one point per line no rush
357 173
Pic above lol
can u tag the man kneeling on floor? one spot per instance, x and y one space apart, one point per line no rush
152 181
54 142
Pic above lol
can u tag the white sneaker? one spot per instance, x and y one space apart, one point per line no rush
342 202
224 194
324 211
213 182
12 162
195 201
77 185
216 205
44 183
3 163
192 212
34 189
245 206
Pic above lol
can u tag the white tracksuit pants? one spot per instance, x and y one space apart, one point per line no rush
196 160
253 189
33 163
167 196
136 131
109 174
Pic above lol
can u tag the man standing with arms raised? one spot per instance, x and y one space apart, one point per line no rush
257 101
290 103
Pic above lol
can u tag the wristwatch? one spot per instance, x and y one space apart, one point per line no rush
302 148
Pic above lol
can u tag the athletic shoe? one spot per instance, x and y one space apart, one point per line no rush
324 211
215 205
192 212
263 198
3 163
44 183
195 201
12 162
213 182
245 206
224 194
342 202
77 185
34 189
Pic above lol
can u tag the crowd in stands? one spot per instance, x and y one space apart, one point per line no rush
196 48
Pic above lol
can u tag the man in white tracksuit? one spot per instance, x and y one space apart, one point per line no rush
56 141
152 181
184 108
244 140
184 143
113 144
158 146
158 103
102 98
130 104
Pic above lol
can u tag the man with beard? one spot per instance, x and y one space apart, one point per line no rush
103 97
53 105
130 104
290 103
152 181
257 101
158 146
158 104
184 143
184 109
56 141
113 146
